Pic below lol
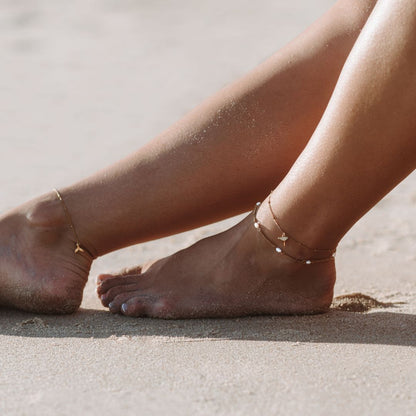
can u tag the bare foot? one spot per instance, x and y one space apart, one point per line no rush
235 273
39 271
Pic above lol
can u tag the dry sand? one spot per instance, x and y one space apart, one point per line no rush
86 82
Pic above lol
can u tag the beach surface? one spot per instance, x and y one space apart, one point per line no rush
84 83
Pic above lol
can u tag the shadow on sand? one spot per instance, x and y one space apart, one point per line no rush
380 327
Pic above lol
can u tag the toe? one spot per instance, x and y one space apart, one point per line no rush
98 282
110 295
149 305
133 303
128 271
136 307
115 305
109 283
103 276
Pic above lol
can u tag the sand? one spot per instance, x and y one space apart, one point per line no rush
85 83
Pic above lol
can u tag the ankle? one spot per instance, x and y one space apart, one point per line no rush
48 211
284 242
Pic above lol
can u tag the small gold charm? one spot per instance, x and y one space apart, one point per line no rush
79 249
283 238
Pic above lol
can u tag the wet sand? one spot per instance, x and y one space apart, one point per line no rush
85 83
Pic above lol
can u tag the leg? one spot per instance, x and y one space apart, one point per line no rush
364 145
172 183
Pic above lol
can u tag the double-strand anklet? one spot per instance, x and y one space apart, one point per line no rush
284 237
78 247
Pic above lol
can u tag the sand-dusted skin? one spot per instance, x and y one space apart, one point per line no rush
349 164
235 273
331 146
39 271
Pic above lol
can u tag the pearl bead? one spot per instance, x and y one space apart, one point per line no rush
257 225
278 250
258 204
308 262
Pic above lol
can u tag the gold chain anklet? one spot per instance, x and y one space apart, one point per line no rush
284 236
278 250
78 247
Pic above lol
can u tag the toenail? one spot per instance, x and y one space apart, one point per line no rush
110 305
103 297
124 307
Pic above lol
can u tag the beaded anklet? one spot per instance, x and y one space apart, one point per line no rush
78 247
284 237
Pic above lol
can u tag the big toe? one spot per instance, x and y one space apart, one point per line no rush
150 306
135 307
